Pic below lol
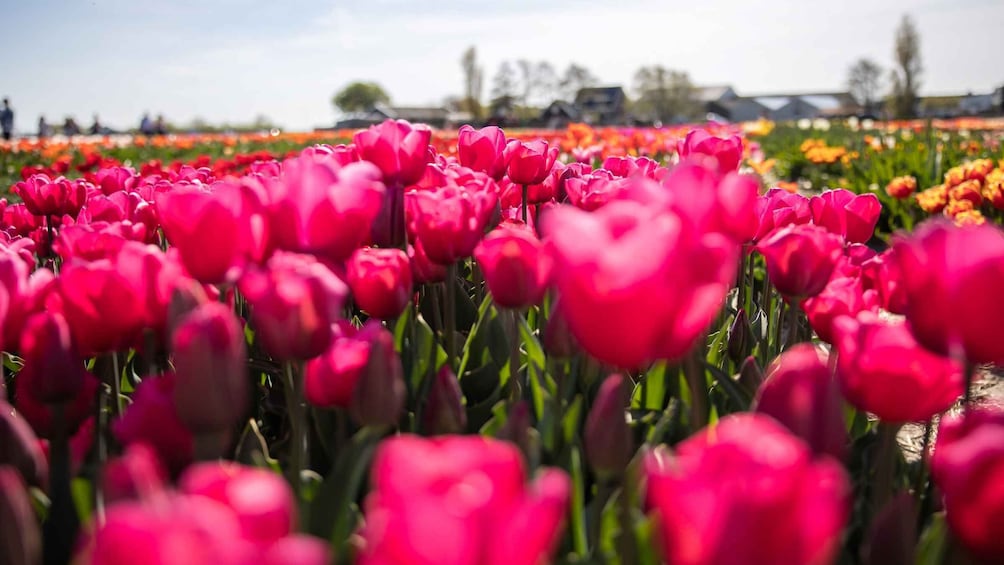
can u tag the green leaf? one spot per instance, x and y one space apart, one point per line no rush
733 390
933 542
82 492
577 518
483 314
572 418
332 512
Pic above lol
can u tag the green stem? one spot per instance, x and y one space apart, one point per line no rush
116 385
627 545
697 383
516 384
61 526
970 376
604 490
793 337
297 438
449 312
885 467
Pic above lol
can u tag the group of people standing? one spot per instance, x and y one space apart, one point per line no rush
70 127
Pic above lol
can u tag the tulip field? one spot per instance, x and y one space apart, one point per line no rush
396 346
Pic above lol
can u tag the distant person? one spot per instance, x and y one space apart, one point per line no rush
44 129
7 120
160 126
146 125
96 127
70 127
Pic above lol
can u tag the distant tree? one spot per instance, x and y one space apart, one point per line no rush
906 76
360 96
504 85
864 80
473 75
574 79
545 82
665 94
526 81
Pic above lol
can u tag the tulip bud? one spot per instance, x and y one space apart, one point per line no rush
379 394
380 280
750 374
801 393
516 266
557 339
185 298
739 337
608 440
210 360
891 536
19 534
19 447
444 408
516 429
52 368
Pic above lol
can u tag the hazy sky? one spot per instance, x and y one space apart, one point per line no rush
235 59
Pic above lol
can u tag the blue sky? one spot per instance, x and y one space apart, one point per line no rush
234 59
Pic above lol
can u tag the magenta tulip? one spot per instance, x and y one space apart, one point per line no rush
852 216
152 418
727 152
779 208
951 278
450 221
841 297
397 148
747 491
459 500
800 259
381 281
206 232
800 392
516 266
529 162
43 196
883 370
52 367
968 467
482 150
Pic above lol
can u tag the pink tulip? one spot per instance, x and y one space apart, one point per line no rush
630 166
20 534
968 467
423 269
841 297
636 282
451 220
397 148
779 208
722 203
529 162
101 306
800 259
881 274
206 232
594 190
116 179
459 500
46 197
294 301
152 419
321 208
210 361
482 150
846 214
883 370
608 442
951 278
52 367
19 447
747 491
444 411
39 414
800 392
727 152
516 266
136 474
381 281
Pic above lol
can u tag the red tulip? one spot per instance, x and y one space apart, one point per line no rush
516 266
450 221
210 362
951 278
459 500
380 280
800 392
53 370
152 418
846 214
636 283
883 370
295 299
43 196
747 491
482 150
397 148
841 297
800 259
968 467
779 208
529 162
727 152
321 208
608 442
